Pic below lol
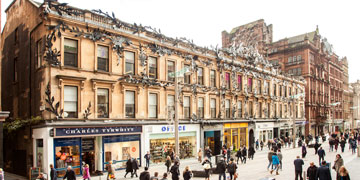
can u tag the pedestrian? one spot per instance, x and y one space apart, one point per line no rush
200 155
135 167
147 159
231 168
155 177
311 171
275 162
238 156
221 169
279 154
175 173
224 152
164 176
70 174
86 173
269 144
336 143
257 144
207 167
303 151
145 175
111 171
261 145
298 167
316 147
168 164
331 143
270 153
187 174
300 143
129 167
344 174
251 152
244 154
53 173
337 164
342 145
208 153
228 154
323 172
353 146
321 154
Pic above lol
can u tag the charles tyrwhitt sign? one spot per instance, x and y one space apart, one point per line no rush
83 131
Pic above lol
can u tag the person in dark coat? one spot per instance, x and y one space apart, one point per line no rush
244 154
228 155
187 174
344 174
336 143
316 147
238 156
221 169
311 171
53 173
168 163
251 152
208 153
342 144
70 174
321 154
135 167
175 173
323 172
129 167
231 168
303 151
147 158
298 167
145 175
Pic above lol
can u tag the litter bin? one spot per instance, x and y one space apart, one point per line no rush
218 157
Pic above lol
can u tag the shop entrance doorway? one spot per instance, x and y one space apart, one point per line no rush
276 132
212 139
251 138
88 153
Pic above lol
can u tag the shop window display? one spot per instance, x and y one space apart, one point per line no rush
67 153
161 148
118 149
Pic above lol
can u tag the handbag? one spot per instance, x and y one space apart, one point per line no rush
206 166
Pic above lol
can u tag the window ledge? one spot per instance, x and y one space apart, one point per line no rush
103 72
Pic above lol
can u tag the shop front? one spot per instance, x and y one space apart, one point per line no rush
95 146
286 129
264 131
159 141
211 136
235 135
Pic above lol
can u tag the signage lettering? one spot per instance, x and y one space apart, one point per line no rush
96 130
172 128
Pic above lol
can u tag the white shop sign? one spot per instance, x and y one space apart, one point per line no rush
264 125
171 128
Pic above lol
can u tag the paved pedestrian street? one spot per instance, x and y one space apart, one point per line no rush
256 169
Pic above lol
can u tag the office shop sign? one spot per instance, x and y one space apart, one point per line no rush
96 131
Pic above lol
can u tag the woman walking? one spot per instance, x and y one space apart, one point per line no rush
303 151
187 174
129 167
200 154
168 164
86 174
207 166
337 164
231 168
344 174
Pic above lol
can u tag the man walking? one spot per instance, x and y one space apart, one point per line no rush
208 153
342 144
251 152
53 174
175 172
270 153
244 154
221 169
135 167
70 174
323 172
311 171
316 147
238 156
298 167
321 154
147 158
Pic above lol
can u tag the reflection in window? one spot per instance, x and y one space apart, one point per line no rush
103 103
